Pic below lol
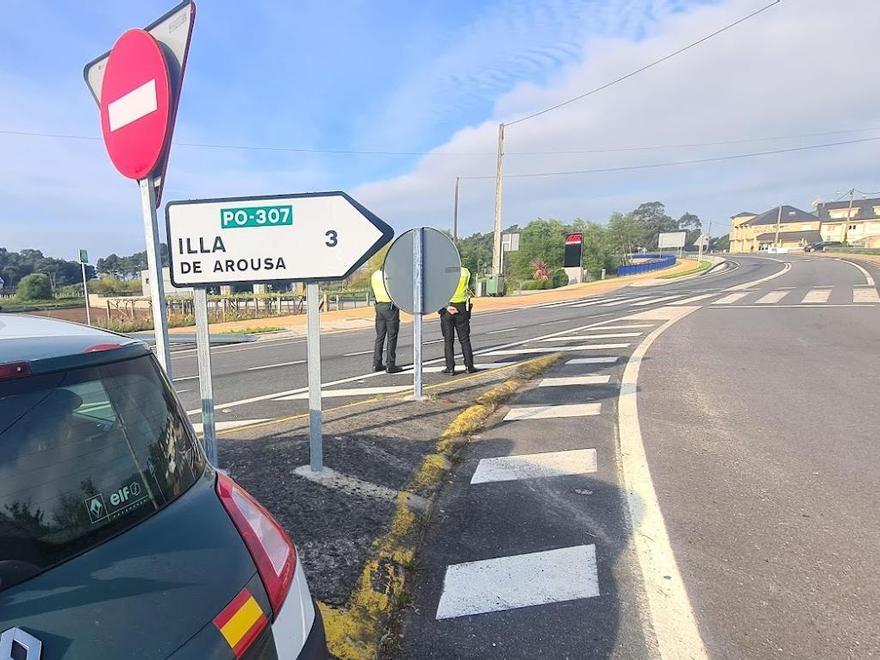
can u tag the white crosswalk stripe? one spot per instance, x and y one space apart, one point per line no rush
817 296
732 298
623 301
535 466
553 412
608 335
599 301
611 359
564 381
652 301
506 583
772 297
865 294
693 299
557 349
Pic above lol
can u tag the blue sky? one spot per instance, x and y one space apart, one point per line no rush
404 76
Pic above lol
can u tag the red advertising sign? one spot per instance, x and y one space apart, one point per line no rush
136 104
574 239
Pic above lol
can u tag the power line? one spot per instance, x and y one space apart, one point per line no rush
676 163
354 152
645 67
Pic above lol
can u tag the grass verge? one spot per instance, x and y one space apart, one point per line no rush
703 266
360 629
256 330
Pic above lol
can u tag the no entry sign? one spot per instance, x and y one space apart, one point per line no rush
136 104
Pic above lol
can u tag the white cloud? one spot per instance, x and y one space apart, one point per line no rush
800 67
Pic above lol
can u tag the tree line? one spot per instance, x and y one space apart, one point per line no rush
605 246
15 266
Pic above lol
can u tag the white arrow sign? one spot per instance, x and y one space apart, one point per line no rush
310 236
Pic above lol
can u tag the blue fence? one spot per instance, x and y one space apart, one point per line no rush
655 262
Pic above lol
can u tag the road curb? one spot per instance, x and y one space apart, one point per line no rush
359 630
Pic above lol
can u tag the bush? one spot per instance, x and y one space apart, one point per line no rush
559 278
112 286
35 286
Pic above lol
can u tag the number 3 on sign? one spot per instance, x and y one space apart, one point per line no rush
332 239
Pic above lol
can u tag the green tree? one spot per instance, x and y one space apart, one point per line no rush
542 240
652 218
35 286
692 225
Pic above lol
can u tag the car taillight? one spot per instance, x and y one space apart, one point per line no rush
12 370
272 550
98 348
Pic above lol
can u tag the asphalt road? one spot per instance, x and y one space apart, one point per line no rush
734 517
254 381
765 458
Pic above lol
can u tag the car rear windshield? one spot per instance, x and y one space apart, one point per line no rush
85 454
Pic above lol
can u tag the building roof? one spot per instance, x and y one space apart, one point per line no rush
742 214
811 236
789 214
862 209
30 338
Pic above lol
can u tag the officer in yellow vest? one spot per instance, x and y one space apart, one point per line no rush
387 325
456 318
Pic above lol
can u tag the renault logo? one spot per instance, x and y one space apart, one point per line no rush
16 644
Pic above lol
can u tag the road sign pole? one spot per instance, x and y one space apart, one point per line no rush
86 295
154 272
206 385
313 342
418 292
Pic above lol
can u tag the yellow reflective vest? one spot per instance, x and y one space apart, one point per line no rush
377 283
461 291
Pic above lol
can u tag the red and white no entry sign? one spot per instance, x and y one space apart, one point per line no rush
136 104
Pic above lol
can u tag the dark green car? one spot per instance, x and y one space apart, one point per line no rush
117 538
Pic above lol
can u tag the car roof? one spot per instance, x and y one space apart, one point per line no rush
30 338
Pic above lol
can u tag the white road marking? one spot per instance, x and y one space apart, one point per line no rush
225 426
564 381
807 306
730 298
436 369
865 294
557 349
869 281
693 299
431 341
354 391
786 266
347 484
183 378
630 326
272 366
249 346
555 322
669 610
771 298
505 583
496 332
130 107
594 360
817 296
623 301
358 353
598 301
610 335
553 412
535 466
652 301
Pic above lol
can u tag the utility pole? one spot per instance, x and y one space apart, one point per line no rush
852 191
778 221
499 184
455 212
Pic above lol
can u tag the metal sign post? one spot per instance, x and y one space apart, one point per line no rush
313 344
418 299
275 238
83 260
154 272
206 384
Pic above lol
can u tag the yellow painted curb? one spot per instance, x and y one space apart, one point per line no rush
356 632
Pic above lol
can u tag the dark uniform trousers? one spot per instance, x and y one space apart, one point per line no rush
460 323
387 323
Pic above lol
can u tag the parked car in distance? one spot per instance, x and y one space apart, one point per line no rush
821 246
117 538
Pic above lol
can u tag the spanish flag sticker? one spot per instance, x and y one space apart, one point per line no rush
241 622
